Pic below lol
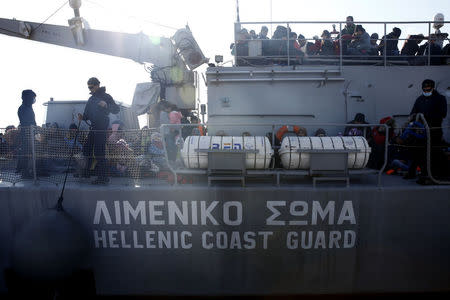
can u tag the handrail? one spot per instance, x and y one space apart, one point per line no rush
427 128
37 152
33 153
341 54
332 22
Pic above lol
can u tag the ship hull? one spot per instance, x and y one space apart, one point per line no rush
254 240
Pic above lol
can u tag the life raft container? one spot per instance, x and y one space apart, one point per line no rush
294 150
195 159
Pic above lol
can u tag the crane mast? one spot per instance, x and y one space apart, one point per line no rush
173 59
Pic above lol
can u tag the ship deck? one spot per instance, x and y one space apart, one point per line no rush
297 182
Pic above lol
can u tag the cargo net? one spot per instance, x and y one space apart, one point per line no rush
46 153
15 149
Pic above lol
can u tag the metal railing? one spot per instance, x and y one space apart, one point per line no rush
35 153
428 152
42 154
176 170
288 56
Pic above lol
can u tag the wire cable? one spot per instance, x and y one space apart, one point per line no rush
64 4
18 34
132 17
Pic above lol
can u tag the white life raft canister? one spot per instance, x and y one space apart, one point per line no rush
294 150
195 159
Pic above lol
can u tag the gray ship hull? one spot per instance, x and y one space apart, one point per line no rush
195 240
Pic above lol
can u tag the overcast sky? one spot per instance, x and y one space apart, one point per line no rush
61 73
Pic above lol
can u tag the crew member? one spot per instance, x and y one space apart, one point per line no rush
27 119
97 111
434 108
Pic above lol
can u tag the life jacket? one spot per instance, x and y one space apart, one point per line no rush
202 130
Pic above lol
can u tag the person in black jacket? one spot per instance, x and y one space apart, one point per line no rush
434 108
411 45
27 119
391 41
97 111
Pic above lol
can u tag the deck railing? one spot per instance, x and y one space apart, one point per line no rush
43 154
287 55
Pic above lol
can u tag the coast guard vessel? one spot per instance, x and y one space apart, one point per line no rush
244 223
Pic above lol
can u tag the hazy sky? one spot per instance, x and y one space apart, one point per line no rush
61 73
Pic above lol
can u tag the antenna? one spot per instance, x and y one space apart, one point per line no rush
271 32
76 23
75 4
237 11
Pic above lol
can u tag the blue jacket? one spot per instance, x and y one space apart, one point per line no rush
414 130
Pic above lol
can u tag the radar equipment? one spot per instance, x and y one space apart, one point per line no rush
438 21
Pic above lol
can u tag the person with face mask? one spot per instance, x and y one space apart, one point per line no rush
27 119
434 108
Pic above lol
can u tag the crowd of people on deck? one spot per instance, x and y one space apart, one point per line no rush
106 149
355 41
406 152
112 150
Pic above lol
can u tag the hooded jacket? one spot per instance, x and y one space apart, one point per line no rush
99 116
25 112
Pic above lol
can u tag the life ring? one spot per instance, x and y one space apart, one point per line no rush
285 129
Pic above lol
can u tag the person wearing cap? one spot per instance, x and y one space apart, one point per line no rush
391 41
327 47
27 119
97 111
433 106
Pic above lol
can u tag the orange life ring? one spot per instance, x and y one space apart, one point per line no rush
284 129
